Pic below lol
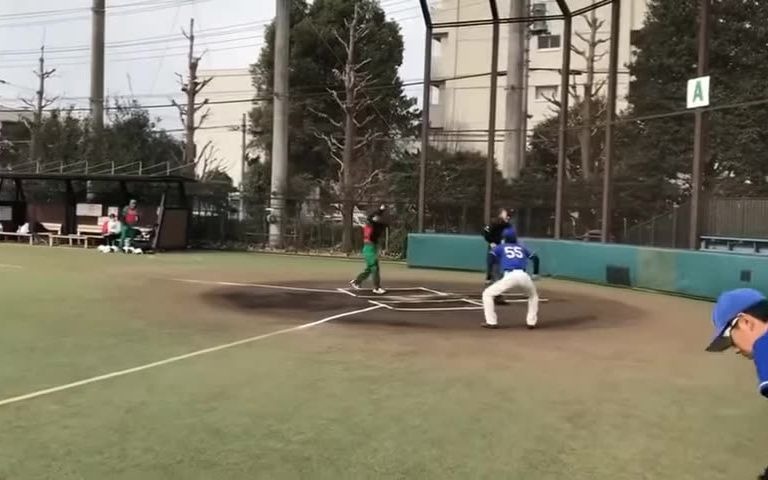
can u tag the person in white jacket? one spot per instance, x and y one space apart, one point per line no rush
111 230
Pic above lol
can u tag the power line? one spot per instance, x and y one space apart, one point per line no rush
120 59
62 11
153 6
165 52
142 107
144 95
267 97
222 31
152 50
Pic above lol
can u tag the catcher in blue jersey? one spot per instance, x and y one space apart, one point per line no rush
511 257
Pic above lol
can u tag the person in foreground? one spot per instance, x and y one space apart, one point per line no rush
372 231
512 259
740 319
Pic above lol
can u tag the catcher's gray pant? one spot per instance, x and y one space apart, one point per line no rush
518 279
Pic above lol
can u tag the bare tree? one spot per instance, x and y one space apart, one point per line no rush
208 159
590 109
354 179
39 104
591 89
192 87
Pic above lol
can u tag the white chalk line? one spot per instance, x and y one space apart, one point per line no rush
383 305
396 298
406 289
346 292
256 285
178 358
516 300
12 267
436 292
431 300
435 309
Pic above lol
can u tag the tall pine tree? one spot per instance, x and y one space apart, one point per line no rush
661 149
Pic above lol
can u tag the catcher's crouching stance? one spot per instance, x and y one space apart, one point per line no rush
512 261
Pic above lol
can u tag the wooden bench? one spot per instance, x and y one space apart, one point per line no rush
754 245
73 240
54 228
26 237
84 230
18 236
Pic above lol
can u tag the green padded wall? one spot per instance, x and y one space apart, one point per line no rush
703 274
456 252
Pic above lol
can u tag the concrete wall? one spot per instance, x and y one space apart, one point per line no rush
702 274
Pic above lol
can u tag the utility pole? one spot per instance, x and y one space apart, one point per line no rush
701 128
243 160
613 67
191 87
279 178
526 81
513 135
39 104
490 162
97 78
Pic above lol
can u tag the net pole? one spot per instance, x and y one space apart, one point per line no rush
562 136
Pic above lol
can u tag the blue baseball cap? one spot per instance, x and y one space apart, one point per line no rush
729 305
509 234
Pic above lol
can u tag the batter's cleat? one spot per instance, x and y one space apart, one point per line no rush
531 327
354 285
490 326
379 291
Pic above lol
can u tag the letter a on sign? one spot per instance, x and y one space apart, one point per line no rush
698 92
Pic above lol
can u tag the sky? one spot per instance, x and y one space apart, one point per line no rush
146 48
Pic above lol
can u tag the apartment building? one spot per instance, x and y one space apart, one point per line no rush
219 140
460 103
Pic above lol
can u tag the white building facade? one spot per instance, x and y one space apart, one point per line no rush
460 107
219 141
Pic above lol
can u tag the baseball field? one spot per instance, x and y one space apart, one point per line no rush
257 366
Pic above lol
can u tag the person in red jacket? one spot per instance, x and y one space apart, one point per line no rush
130 222
374 227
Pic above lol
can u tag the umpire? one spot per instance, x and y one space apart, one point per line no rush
492 234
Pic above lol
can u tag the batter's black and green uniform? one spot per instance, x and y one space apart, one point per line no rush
371 233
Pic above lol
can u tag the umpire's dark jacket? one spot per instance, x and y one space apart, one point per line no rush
492 232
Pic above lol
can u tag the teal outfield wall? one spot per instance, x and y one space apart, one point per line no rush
702 274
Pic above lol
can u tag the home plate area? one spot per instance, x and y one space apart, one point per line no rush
423 299
454 306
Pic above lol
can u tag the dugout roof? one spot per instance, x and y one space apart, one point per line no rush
82 177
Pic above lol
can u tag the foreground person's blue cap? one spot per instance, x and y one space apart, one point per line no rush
729 305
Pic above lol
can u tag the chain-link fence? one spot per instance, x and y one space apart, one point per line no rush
309 225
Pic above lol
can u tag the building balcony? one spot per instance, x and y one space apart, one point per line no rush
436 117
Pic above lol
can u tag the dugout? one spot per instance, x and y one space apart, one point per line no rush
72 200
